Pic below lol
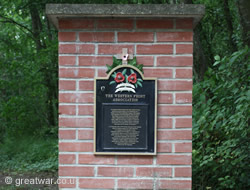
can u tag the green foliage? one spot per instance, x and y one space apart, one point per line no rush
117 62
221 101
29 154
215 34
221 138
28 75
28 89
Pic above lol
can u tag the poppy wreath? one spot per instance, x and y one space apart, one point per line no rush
121 77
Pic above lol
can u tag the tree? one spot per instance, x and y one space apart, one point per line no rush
221 100
244 7
29 61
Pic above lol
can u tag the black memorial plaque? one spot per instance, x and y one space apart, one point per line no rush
125 113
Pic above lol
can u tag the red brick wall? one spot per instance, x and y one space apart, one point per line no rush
165 47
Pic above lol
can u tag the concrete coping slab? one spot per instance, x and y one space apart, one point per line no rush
59 11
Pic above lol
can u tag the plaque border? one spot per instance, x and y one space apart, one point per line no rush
155 122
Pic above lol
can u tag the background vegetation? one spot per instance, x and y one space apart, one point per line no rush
28 90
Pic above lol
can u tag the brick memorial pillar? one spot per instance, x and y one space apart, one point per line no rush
161 38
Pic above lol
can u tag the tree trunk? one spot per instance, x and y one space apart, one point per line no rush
50 36
36 26
228 19
188 2
200 60
37 29
244 11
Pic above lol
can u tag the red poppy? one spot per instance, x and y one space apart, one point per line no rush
132 78
119 77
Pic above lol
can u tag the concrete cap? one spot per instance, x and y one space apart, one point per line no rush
58 11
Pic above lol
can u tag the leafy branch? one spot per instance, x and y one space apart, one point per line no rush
9 20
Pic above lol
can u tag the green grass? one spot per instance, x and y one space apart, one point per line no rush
29 154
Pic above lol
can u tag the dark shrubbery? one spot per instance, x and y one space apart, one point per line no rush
221 138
